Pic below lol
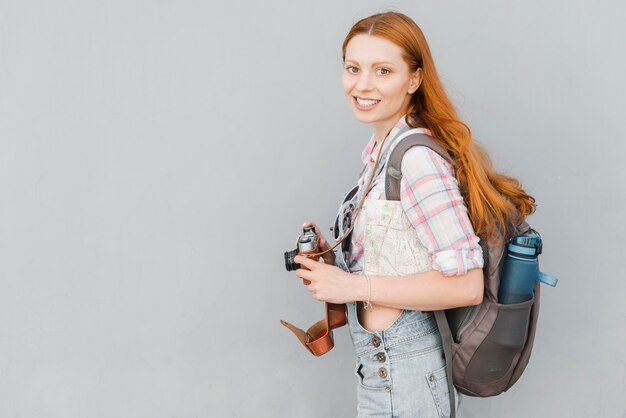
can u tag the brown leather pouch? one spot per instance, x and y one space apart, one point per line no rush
318 339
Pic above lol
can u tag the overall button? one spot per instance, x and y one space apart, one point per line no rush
381 357
382 372
376 341
387 389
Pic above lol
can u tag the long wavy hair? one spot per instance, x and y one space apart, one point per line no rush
493 200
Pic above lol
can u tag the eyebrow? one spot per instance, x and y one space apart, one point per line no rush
374 63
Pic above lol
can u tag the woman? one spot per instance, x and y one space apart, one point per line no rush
391 83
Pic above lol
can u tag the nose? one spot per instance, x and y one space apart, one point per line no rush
364 82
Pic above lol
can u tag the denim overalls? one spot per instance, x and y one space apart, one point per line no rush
400 371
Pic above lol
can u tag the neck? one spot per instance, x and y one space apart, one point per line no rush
381 134
381 131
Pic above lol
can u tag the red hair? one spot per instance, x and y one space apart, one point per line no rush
493 200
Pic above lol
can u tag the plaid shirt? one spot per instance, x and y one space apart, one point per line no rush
430 197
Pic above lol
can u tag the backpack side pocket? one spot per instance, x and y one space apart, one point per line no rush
494 360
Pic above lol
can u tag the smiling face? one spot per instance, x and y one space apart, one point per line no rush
378 82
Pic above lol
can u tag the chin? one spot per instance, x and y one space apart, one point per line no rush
362 118
365 118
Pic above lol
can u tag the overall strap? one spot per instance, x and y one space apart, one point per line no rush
392 191
446 342
393 174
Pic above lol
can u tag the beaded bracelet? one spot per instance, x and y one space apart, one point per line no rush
368 305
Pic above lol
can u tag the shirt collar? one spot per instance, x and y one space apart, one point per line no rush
372 149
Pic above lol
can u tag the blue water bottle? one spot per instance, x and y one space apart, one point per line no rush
521 269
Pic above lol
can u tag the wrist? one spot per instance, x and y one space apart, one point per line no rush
361 289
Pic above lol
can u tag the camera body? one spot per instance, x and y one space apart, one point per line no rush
308 243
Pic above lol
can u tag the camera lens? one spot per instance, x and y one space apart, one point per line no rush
291 265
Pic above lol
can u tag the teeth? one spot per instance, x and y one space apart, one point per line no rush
364 102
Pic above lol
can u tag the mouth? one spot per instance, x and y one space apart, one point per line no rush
363 103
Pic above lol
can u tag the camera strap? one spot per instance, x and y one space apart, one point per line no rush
318 339
361 194
363 191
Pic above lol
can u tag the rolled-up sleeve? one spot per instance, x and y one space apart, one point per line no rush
430 197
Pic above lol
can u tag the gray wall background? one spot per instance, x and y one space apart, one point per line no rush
157 158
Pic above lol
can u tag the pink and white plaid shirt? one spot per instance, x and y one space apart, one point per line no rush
430 197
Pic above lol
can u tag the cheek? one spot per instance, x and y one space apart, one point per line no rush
347 84
395 89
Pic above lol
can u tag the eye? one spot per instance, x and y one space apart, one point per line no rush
352 69
383 71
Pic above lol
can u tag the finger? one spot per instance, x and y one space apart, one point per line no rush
301 274
310 223
312 288
304 274
323 244
314 292
314 225
305 261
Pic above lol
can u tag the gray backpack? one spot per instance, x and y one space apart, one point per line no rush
487 347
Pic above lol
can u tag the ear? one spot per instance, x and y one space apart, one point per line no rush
415 81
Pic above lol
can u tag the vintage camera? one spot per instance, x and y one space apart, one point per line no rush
308 243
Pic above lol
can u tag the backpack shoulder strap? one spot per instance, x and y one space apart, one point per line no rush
393 175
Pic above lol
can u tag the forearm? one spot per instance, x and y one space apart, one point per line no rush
426 291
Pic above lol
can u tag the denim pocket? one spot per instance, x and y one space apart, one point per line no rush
438 385
367 380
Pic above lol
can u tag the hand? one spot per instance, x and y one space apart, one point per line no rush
329 257
327 283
